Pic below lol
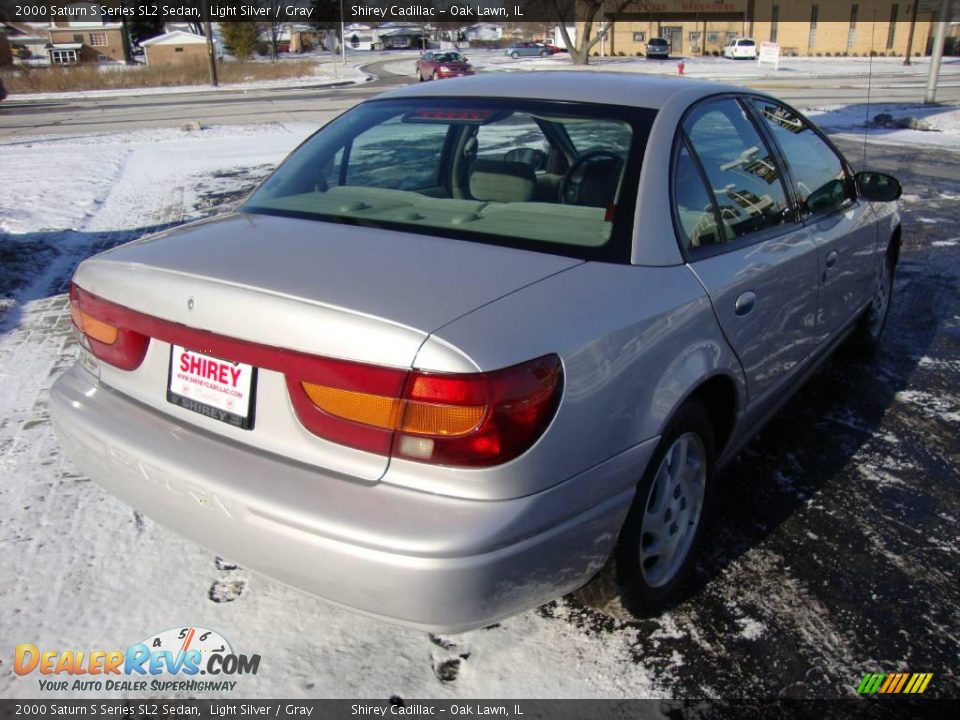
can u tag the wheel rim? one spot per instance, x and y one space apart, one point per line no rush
673 508
881 302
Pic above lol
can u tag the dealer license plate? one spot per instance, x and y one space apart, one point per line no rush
220 389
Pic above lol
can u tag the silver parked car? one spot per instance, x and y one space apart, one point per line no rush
472 343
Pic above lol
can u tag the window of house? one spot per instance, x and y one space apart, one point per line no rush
98 39
78 38
694 36
63 57
178 49
743 175
639 37
713 38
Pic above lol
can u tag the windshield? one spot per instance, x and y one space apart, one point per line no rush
557 177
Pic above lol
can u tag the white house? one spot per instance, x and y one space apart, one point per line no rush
484 32
174 48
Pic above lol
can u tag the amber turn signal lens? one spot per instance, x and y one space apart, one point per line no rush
361 407
408 416
93 328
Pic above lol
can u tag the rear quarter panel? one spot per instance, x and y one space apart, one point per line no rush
634 342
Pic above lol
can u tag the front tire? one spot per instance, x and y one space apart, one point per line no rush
655 556
515 55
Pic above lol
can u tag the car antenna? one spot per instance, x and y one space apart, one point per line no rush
866 120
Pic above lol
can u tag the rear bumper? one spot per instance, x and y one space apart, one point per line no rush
438 563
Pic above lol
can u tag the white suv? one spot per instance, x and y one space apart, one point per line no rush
741 49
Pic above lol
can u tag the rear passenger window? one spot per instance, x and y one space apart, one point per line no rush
744 177
821 182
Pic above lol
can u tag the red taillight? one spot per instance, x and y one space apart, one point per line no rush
469 419
102 325
475 420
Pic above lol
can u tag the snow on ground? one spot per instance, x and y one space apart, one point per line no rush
891 123
807 589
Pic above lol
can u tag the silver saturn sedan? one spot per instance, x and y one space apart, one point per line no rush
478 344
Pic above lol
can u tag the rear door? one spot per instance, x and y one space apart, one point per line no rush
739 230
842 226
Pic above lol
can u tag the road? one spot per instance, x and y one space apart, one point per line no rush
319 104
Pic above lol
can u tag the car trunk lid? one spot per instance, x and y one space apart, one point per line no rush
315 287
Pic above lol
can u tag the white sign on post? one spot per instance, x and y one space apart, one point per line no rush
770 53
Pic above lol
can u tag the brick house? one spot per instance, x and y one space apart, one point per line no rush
174 48
75 42
801 27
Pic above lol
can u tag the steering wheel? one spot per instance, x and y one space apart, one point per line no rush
591 179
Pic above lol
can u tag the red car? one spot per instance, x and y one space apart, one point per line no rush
438 64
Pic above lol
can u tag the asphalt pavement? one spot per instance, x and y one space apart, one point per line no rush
319 103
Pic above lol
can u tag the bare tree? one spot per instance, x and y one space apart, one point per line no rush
585 12
274 24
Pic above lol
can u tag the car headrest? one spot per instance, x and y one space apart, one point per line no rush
502 181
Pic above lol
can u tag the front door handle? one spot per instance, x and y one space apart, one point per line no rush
832 258
745 303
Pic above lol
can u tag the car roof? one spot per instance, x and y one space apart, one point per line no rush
610 88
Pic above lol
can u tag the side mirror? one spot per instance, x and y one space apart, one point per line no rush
878 187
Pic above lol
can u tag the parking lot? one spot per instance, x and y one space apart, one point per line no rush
834 551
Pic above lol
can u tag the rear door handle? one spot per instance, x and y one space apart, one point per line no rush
745 303
832 258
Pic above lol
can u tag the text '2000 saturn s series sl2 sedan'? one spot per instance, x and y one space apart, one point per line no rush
475 342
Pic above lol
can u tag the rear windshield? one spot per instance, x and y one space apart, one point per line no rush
746 43
657 41
549 176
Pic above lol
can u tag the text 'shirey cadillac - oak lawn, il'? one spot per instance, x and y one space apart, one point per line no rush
476 344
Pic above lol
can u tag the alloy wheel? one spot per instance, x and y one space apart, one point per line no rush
673 510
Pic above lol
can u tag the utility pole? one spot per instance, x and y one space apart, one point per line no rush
211 53
938 40
343 38
913 26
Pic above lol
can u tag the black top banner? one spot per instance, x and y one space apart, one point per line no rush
428 12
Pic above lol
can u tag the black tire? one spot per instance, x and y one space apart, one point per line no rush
622 589
868 336
434 76
543 53
420 75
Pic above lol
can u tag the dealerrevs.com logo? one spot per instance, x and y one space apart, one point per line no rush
186 659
